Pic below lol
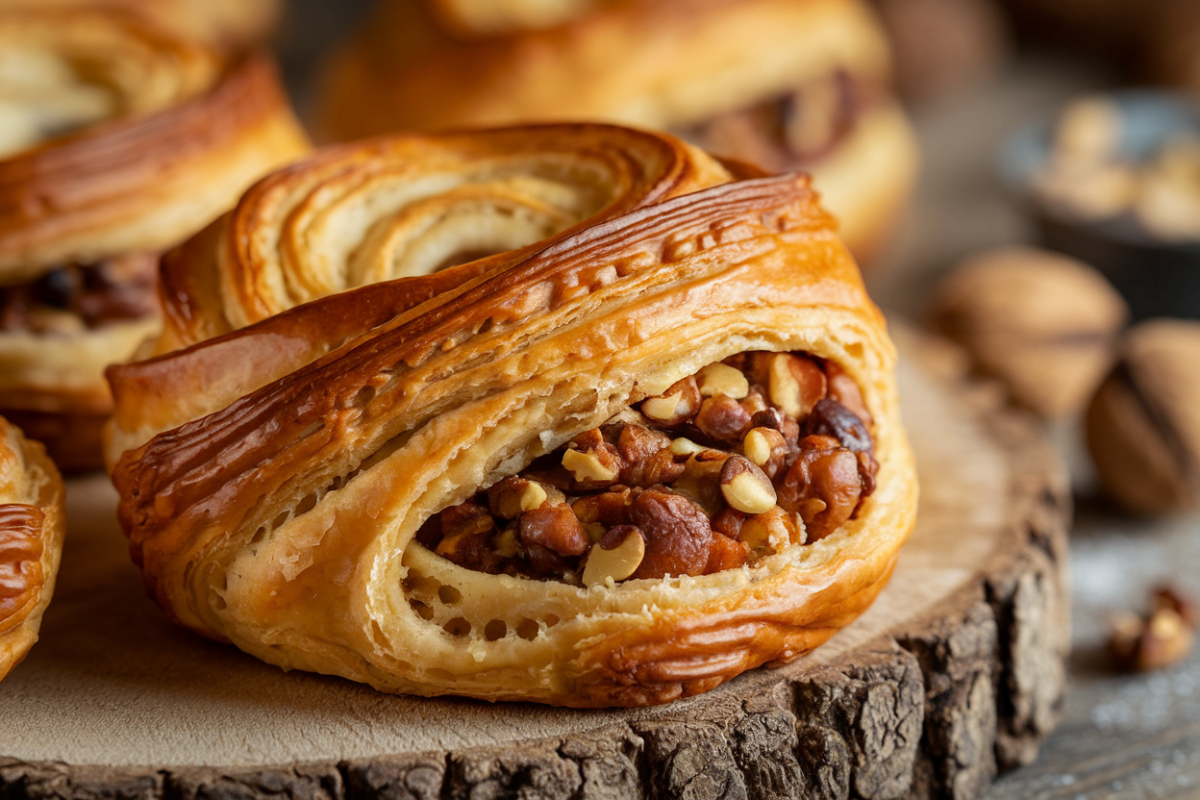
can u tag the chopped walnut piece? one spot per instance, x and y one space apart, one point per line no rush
675 406
722 419
678 534
823 486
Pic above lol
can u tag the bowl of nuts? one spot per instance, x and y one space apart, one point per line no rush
1114 180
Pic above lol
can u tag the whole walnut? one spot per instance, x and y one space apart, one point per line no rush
1143 425
1042 323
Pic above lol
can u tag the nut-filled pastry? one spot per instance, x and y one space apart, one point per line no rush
785 84
31 538
556 413
116 142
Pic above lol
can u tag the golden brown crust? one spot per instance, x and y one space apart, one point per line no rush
272 478
180 135
662 65
31 535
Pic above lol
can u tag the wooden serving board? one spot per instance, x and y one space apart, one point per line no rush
954 674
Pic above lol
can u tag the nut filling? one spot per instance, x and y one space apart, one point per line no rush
735 463
792 130
80 297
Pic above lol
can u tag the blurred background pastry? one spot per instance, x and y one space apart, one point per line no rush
228 24
786 85
944 46
117 140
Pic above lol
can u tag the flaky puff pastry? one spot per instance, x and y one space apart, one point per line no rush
272 479
676 65
116 141
32 521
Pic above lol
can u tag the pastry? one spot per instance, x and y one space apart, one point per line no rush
785 84
116 142
234 24
612 429
31 539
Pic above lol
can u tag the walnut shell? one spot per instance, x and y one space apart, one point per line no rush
1143 425
1042 323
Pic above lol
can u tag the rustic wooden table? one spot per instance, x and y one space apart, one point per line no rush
1121 736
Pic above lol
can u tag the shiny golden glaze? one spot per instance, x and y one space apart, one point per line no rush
274 472
32 523
20 562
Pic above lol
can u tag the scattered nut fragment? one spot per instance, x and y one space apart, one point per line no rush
617 563
1141 645
588 468
1042 323
721 379
1181 604
746 487
1143 425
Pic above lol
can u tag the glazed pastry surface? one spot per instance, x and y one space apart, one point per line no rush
116 141
378 333
31 538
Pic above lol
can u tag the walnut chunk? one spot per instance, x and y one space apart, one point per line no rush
1042 323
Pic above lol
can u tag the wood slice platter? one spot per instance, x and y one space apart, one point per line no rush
955 674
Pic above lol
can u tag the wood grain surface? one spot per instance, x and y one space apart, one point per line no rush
955 674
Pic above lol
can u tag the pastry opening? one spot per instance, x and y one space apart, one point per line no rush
748 457
79 297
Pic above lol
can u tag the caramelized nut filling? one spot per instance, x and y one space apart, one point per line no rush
790 131
728 466
78 297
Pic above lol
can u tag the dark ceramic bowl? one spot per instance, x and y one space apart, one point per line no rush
1159 278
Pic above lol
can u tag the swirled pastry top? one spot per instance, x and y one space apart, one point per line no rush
651 63
275 472
31 537
116 137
